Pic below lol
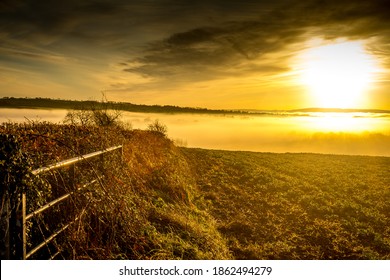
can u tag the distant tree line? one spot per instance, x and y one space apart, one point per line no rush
13 102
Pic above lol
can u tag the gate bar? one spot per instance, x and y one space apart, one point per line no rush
73 160
48 240
61 198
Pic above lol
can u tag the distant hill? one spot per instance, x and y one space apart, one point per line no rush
11 102
33 103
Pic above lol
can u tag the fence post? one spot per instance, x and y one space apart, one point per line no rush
23 229
5 219
17 227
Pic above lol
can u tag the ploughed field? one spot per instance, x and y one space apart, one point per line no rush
297 206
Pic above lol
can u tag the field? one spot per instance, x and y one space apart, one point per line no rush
169 202
297 206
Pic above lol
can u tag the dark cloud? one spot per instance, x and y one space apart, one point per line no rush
117 16
44 22
278 26
60 20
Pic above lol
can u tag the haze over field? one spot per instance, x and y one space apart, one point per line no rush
280 54
350 133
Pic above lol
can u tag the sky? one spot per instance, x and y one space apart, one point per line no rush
222 54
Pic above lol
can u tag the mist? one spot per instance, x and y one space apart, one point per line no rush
343 133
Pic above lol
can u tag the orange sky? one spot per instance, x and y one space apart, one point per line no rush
215 54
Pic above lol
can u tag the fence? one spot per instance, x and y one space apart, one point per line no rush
18 218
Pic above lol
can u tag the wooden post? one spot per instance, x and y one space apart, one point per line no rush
23 225
17 227
5 223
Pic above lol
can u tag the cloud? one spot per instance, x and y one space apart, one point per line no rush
264 43
215 50
40 56
246 26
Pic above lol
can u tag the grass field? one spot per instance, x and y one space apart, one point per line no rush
169 202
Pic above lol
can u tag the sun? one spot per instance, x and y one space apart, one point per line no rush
338 75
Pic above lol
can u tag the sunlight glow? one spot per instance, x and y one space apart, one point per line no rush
338 75
342 122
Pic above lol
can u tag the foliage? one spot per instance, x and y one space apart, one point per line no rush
15 165
158 127
98 114
15 175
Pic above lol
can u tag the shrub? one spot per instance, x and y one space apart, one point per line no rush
99 115
158 127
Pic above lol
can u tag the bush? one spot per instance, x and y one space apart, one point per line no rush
96 115
158 127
